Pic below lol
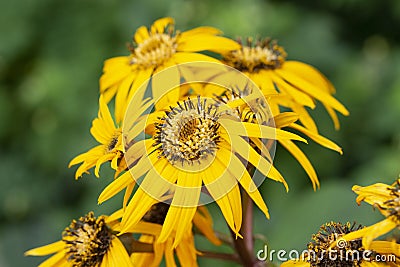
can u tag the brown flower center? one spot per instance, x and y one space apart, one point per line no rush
155 50
87 240
261 54
344 254
188 132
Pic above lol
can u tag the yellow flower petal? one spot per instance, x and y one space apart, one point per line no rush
203 42
285 119
312 90
55 261
47 249
317 138
160 24
303 160
141 34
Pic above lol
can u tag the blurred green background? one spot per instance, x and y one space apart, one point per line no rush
51 56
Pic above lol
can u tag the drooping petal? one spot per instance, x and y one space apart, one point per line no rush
317 138
312 90
47 249
303 160
285 119
115 187
257 130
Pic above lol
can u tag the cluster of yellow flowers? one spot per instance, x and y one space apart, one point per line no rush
196 114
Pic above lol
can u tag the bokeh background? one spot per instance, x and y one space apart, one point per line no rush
51 56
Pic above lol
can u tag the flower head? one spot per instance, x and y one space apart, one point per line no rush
329 248
155 49
298 84
88 241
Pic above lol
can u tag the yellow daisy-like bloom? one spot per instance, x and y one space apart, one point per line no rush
298 84
150 228
109 135
155 49
89 241
197 142
328 248
284 120
387 199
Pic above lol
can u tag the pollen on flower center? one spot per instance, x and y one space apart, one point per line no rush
88 240
263 54
155 50
318 248
188 132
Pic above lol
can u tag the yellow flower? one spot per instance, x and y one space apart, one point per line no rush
197 142
156 49
329 248
298 84
387 199
88 241
283 120
108 134
150 228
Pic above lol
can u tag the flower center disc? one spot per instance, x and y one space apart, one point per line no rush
154 51
188 135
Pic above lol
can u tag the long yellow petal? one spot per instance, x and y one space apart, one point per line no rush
202 42
318 138
312 90
115 187
304 117
169 254
165 87
257 130
310 74
285 119
303 160
248 153
200 30
219 188
47 249
118 254
297 95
